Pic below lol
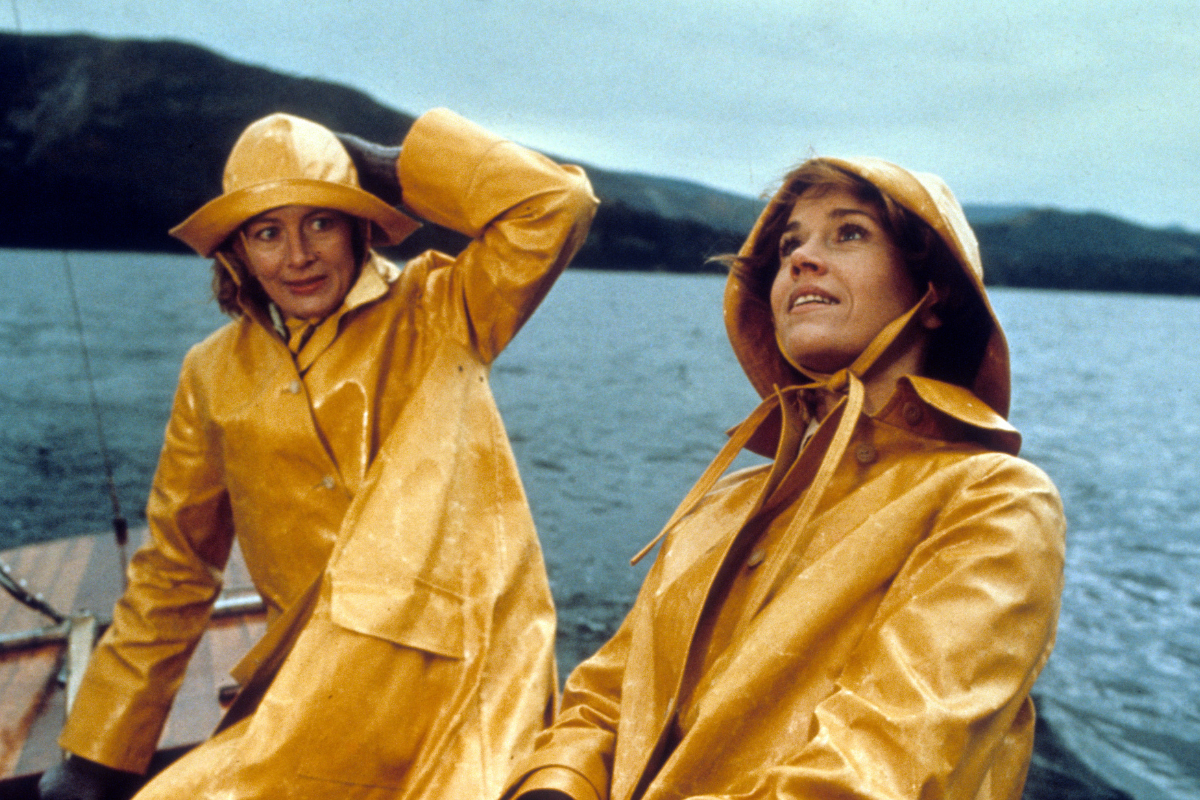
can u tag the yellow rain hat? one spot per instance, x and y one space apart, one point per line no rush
282 160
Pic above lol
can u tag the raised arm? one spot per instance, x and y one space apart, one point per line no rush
525 215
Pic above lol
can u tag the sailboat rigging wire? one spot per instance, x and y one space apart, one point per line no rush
120 526
24 596
10 584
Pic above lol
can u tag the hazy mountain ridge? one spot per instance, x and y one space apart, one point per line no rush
105 144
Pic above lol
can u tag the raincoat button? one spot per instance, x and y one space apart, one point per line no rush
865 453
328 482
756 557
913 413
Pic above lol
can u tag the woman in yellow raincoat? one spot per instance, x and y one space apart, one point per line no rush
865 615
342 430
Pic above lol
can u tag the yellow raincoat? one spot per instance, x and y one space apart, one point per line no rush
371 486
863 617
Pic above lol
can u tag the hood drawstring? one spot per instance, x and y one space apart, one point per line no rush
847 382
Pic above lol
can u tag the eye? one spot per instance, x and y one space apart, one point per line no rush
323 223
851 232
264 233
787 244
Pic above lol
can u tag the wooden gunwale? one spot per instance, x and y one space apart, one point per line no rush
83 574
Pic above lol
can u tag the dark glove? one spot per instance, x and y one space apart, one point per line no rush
376 165
79 779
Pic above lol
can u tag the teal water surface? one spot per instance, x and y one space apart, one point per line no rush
617 394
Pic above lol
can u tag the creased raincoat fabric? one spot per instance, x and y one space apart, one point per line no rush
862 617
371 486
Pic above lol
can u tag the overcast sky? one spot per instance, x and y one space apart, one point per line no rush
1082 105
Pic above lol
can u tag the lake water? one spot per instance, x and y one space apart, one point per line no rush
616 395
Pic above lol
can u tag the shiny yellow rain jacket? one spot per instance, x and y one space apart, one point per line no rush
373 468
863 617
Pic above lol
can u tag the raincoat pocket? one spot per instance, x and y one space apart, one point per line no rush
404 610
382 683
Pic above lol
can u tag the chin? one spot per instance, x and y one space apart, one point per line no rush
822 362
310 310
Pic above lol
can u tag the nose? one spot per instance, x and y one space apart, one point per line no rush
805 258
299 251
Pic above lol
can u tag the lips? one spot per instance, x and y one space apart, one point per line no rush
308 286
805 296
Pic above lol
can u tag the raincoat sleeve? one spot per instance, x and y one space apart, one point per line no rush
525 214
174 579
575 756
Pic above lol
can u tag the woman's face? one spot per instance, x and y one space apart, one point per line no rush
841 280
304 258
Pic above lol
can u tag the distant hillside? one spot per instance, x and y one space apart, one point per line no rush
106 144
1045 247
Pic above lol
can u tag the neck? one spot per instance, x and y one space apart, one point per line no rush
881 381
898 350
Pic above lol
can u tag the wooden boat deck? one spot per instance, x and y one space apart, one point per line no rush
83 573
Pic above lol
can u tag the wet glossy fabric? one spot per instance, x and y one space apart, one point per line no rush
862 617
748 315
378 451
286 160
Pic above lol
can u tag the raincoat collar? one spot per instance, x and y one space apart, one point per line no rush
372 284
373 281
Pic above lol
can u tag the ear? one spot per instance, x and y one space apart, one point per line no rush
364 234
928 318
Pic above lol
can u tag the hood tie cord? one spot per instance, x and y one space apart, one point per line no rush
224 261
851 408
845 381
738 440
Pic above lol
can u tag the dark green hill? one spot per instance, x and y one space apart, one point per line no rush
105 144
1092 251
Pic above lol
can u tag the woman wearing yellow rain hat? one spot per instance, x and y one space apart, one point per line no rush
865 615
341 429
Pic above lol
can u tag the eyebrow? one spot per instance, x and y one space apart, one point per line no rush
837 213
271 214
846 212
266 216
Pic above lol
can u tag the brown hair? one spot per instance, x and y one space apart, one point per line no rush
956 348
